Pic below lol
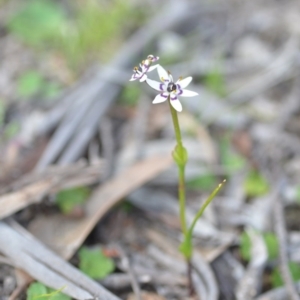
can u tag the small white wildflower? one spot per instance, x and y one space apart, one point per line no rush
170 89
145 67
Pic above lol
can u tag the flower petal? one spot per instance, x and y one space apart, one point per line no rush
176 104
143 78
183 83
153 58
136 75
156 85
160 98
187 93
152 68
162 73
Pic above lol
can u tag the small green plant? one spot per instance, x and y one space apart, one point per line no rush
255 184
276 278
94 263
270 240
38 290
170 91
68 199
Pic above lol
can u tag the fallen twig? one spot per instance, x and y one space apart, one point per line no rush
32 188
280 229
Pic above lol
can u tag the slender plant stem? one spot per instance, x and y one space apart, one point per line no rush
176 124
181 157
190 279
181 169
181 193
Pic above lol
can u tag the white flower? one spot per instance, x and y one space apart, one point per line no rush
169 89
145 67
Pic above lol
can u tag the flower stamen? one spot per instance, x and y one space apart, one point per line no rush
171 87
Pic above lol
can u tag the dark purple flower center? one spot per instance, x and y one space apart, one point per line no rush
171 87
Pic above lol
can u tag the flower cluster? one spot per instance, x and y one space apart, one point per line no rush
168 89
145 67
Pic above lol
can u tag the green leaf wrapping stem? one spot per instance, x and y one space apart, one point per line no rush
186 246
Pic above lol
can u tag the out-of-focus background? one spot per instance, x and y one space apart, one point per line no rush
85 157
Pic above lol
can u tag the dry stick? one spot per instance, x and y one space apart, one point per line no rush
140 125
277 294
250 284
121 281
279 70
91 108
133 278
202 66
108 147
205 272
291 106
48 183
6 261
280 229
173 263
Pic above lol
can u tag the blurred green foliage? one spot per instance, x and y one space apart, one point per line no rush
230 160
126 206
298 194
11 130
255 184
37 21
38 290
205 182
88 29
35 290
32 83
215 82
68 199
130 95
270 240
276 277
29 84
94 263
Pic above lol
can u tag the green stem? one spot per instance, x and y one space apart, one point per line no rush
181 193
176 124
180 150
